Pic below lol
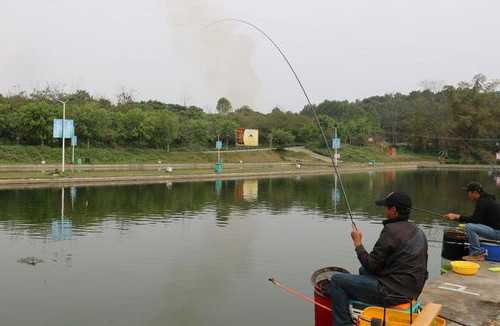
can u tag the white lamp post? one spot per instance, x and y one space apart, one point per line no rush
63 127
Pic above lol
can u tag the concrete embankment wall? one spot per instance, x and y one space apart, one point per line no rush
130 167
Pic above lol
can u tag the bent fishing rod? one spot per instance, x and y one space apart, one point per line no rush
298 294
313 109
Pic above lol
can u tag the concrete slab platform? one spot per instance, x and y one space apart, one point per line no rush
469 300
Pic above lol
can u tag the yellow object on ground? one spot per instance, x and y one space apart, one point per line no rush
494 269
465 267
392 317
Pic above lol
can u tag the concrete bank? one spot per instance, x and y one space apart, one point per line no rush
279 171
186 166
134 167
469 300
458 167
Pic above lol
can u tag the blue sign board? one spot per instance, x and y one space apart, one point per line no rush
74 141
218 144
69 128
336 143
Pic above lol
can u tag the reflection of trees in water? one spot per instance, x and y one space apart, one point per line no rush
33 210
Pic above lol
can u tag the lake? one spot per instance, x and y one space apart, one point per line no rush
198 253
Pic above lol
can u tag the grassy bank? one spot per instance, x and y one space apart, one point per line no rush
35 154
363 154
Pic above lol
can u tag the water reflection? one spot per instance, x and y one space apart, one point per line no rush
247 190
197 253
218 187
32 211
62 229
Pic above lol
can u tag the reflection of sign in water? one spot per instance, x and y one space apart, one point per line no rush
247 190
336 195
218 186
247 137
62 230
72 192
250 189
69 129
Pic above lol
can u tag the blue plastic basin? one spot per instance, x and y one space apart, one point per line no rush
493 251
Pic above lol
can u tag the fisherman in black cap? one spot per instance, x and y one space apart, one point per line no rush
484 222
393 273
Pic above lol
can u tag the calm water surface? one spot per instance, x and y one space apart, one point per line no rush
196 253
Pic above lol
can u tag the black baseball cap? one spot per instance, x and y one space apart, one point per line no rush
474 186
400 200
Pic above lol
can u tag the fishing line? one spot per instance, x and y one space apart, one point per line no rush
427 211
307 98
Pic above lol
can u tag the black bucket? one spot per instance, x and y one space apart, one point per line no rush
455 244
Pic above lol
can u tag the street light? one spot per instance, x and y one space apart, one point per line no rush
63 127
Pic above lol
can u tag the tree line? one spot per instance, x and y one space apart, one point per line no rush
461 120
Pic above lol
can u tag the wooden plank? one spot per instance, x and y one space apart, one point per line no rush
428 314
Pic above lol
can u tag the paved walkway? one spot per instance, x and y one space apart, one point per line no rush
302 149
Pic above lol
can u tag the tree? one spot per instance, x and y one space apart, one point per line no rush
35 122
131 128
161 128
195 133
224 106
357 130
95 124
281 138
224 127
125 97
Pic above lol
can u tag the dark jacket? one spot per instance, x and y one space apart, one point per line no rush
487 212
398 259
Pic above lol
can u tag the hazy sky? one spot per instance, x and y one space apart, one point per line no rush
162 49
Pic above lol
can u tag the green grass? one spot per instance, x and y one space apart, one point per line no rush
11 154
349 153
